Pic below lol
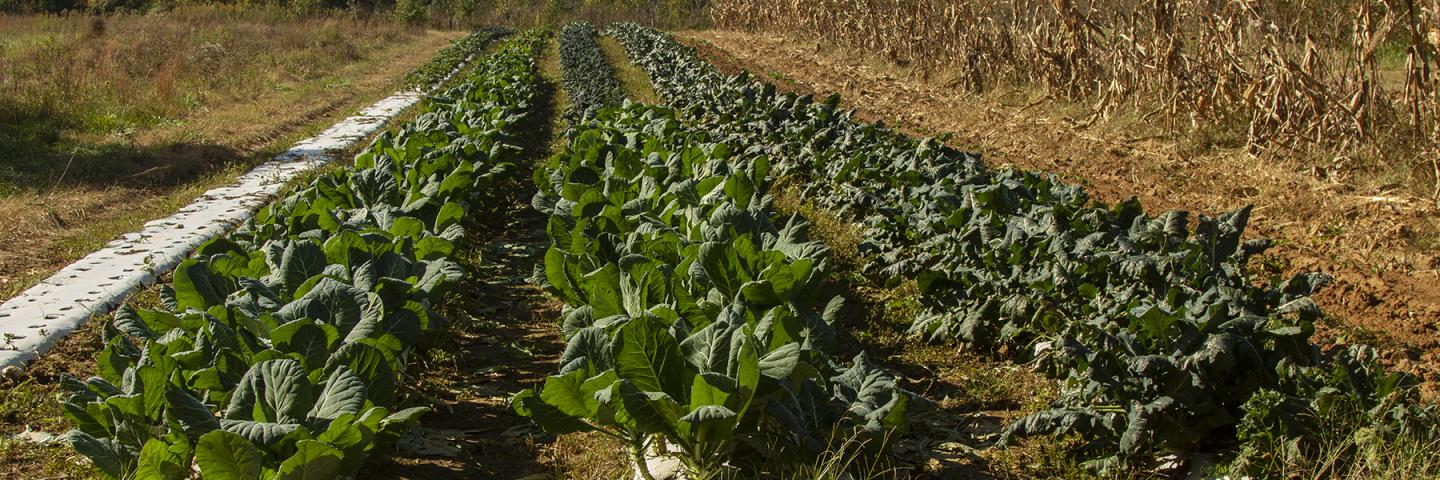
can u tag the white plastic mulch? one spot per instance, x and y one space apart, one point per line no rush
31 323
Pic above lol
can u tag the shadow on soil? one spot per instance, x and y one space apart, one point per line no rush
503 340
35 153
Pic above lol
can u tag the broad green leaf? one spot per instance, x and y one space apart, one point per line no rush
450 213
276 391
711 423
407 227
330 301
527 404
602 291
305 338
222 455
105 453
558 275
342 393
372 366
591 343
711 389
191 413
780 363
433 248
651 412
340 248
197 287
567 394
648 356
300 260
158 461
708 349
312 460
267 434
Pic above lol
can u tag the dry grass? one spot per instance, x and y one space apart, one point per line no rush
670 14
1347 85
551 71
635 82
98 141
587 456
841 237
73 88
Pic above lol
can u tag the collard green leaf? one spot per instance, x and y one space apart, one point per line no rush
342 393
275 391
552 419
649 357
567 394
158 460
222 455
106 454
592 344
371 366
193 414
650 411
197 287
312 460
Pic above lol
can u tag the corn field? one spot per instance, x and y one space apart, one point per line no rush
1337 79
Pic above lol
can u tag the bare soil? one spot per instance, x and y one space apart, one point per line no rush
1380 246
504 340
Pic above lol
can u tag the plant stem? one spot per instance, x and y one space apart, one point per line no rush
637 452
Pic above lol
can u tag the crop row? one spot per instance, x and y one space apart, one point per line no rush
694 317
454 56
589 77
1164 342
278 350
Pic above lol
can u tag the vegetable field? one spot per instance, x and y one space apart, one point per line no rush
705 325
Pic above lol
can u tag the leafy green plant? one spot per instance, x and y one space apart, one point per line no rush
693 319
277 350
1153 324
589 78
450 57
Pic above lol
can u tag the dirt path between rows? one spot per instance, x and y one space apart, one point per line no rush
503 340
506 338
1387 289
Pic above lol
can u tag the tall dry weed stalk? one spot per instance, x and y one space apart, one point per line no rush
1323 79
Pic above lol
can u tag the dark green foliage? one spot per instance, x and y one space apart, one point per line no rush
691 312
1159 334
278 350
454 56
589 77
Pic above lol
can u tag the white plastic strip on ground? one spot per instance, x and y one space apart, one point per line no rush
31 323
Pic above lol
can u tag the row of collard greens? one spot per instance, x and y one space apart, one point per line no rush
1164 343
693 316
453 56
278 349
589 78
